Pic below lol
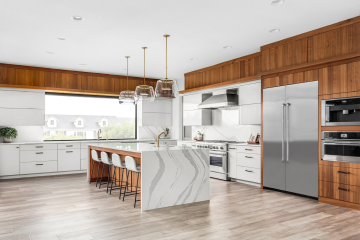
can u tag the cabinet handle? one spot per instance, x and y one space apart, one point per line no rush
343 189
248 171
39 153
39 146
248 157
17 147
344 172
232 148
248 149
69 145
69 151
39 164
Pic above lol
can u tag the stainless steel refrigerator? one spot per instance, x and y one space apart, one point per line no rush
290 138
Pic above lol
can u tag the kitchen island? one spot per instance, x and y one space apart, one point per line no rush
169 175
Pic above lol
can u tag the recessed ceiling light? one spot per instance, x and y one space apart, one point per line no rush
276 2
193 59
50 52
77 18
274 31
227 47
62 38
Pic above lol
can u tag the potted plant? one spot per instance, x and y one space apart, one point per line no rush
8 133
199 136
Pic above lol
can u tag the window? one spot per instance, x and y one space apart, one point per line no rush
117 121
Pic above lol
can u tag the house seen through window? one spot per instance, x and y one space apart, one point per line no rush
116 121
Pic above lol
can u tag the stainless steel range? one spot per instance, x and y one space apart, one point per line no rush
218 157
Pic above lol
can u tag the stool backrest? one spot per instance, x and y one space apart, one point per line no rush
94 155
130 163
116 160
105 158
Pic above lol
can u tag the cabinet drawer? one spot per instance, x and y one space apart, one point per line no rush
38 156
69 160
68 145
248 174
38 167
249 149
349 176
84 164
338 191
339 164
249 160
38 147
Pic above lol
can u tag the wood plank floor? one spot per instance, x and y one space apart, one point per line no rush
67 207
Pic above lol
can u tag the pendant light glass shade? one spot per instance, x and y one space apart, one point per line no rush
166 88
127 96
144 92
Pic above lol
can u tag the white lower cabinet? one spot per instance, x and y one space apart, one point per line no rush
68 159
84 158
232 158
9 160
249 174
249 160
38 156
38 167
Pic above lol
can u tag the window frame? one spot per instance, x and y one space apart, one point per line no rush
95 139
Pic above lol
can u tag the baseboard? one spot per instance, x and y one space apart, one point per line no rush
335 202
246 182
43 174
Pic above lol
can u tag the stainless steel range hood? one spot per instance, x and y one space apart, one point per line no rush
221 99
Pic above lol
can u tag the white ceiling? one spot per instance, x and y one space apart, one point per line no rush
113 29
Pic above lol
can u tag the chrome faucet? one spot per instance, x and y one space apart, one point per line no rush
98 133
158 139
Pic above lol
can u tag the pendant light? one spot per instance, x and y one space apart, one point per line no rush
127 96
144 92
166 88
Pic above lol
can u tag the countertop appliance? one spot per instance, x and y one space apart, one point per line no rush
340 112
340 146
290 138
218 157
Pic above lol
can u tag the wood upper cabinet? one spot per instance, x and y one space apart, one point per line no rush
194 80
63 81
292 78
7 75
284 55
340 41
23 77
97 84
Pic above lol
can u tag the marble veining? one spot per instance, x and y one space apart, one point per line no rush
225 126
146 132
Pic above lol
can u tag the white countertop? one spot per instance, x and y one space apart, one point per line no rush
139 147
244 144
86 141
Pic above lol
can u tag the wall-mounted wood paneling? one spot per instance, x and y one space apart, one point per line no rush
238 70
63 81
292 78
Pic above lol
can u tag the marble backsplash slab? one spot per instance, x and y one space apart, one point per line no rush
149 132
225 126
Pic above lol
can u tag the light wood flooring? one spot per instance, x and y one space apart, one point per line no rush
67 207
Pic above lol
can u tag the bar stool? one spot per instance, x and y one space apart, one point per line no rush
116 160
95 158
132 167
105 160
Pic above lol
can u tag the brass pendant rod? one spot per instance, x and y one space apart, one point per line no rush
144 63
127 72
166 78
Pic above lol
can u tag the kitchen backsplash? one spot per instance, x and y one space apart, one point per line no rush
150 132
27 134
225 126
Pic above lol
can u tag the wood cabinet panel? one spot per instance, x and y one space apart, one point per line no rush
28 77
98 84
288 54
338 191
235 70
225 73
7 76
253 66
340 41
341 165
292 78
63 80
215 76
350 176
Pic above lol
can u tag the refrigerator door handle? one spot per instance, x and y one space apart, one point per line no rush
287 133
283 133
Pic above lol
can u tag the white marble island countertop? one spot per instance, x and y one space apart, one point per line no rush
169 175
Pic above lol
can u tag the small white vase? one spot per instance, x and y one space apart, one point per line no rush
7 140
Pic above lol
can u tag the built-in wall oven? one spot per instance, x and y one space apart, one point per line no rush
340 146
340 112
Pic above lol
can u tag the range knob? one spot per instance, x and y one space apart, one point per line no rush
221 148
206 146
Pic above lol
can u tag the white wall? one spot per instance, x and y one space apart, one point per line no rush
27 134
176 131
